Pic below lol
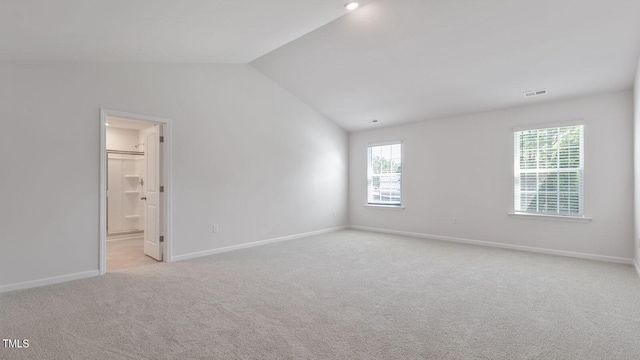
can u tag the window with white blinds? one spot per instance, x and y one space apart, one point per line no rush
384 175
549 170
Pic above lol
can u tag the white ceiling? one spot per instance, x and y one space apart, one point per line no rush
401 61
396 61
216 31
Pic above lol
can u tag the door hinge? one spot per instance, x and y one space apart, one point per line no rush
161 188
161 139
161 239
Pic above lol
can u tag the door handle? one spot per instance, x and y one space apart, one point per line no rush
143 198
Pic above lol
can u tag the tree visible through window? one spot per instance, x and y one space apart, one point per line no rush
549 170
384 174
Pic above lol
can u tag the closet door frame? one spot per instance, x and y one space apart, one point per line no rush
165 176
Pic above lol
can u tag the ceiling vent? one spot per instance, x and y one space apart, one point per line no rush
535 93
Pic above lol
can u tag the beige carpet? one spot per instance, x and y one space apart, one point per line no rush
344 295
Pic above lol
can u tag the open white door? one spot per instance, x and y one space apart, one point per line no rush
152 196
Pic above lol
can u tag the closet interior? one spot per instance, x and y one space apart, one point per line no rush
124 186
126 176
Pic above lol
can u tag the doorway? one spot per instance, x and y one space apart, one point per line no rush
134 200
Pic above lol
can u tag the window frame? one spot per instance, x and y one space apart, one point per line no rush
581 216
400 205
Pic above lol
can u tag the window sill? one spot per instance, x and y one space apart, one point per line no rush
520 215
390 207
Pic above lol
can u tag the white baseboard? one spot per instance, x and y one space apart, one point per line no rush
612 259
49 281
252 244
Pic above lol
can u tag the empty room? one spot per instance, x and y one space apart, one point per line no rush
320 179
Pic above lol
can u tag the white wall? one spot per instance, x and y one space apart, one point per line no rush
441 157
122 139
636 167
246 155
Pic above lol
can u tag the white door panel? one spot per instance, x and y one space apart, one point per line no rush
152 244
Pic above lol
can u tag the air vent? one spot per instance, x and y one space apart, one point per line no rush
535 93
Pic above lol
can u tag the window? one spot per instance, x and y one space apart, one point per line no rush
549 170
384 175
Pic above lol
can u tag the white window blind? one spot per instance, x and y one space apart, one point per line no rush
384 175
549 170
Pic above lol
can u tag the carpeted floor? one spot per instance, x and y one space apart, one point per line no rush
343 295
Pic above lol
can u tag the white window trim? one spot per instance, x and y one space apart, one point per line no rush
537 216
541 216
383 143
388 206
549 125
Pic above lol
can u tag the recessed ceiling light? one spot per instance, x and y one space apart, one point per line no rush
106 124
352 5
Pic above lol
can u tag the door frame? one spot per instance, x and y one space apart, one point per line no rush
166 176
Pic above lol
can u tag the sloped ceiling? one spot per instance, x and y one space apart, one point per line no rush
401 61
209 31
396 61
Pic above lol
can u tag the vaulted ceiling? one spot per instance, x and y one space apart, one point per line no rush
401 61
395 61
206 31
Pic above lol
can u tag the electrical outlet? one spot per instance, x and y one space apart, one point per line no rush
215 228
455 219
335 213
